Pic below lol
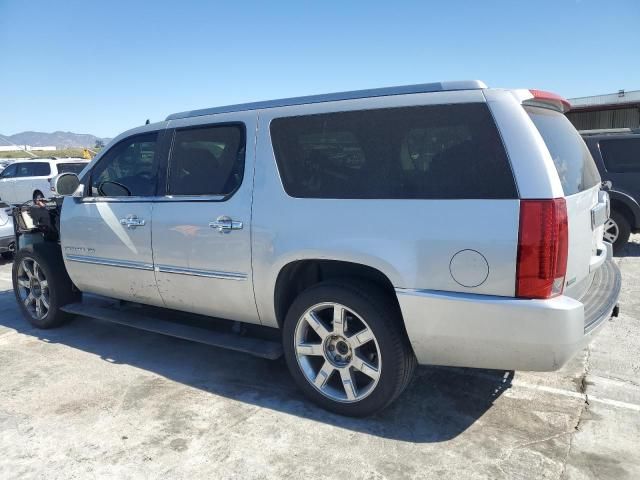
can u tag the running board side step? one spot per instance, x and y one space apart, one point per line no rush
254 346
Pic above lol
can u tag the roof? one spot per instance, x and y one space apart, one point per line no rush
616 99
332 97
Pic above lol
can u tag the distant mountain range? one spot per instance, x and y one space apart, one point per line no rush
58 139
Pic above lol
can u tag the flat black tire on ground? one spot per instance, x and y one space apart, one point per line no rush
382 315
59 288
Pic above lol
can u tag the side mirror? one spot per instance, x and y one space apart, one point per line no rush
65 184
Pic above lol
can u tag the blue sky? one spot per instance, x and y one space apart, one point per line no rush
104 67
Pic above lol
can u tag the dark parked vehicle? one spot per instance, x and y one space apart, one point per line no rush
617 155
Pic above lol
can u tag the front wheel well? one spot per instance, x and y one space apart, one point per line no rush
297 276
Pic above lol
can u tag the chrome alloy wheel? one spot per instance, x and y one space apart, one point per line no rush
33 288
611 231
337 352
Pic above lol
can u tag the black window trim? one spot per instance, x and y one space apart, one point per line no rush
86 196
166 196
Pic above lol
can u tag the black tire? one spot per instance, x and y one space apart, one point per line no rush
624 231
383 317
38 195
60 288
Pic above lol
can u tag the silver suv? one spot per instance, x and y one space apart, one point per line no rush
364 232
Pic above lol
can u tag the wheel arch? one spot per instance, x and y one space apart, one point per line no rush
298 275
627 206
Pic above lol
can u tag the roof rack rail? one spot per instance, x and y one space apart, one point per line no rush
332 97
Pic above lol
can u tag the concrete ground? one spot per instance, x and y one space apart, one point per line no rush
94 399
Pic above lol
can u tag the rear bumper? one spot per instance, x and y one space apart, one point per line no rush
466 330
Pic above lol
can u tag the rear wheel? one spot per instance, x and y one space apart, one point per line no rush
42 286
617 231
346 348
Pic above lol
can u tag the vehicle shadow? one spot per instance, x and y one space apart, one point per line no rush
440 403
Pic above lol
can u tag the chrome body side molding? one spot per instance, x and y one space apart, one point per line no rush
201 273
109 262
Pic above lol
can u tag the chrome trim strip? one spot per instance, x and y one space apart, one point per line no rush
109 262
201 273
156 199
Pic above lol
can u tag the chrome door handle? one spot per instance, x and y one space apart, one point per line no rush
225 224
132 221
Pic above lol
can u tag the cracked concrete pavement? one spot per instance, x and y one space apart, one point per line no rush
96 400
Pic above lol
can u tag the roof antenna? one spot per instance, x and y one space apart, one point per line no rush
147 122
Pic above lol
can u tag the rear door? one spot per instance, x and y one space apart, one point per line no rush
202 226
36 180
586 208
621 157
106 235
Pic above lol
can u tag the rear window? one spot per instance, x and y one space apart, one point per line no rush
575 166
71 167
425 152
621 155
207 160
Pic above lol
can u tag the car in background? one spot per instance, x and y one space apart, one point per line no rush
26 180
617 156
7 234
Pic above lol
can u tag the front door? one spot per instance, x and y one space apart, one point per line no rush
106 235
7 184
202 227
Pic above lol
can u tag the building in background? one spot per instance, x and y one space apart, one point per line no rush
25 148
613 110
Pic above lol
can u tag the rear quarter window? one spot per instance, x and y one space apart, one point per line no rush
71 167
571 157
424 152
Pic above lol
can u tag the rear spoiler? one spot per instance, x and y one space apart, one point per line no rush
548 100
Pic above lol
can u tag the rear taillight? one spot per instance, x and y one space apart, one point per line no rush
543 245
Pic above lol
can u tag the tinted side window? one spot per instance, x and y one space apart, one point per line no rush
40 169
71 167
129 168
621 155
9 172
436 151
23 169
573 161
207 160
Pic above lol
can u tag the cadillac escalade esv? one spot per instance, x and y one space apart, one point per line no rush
358 234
